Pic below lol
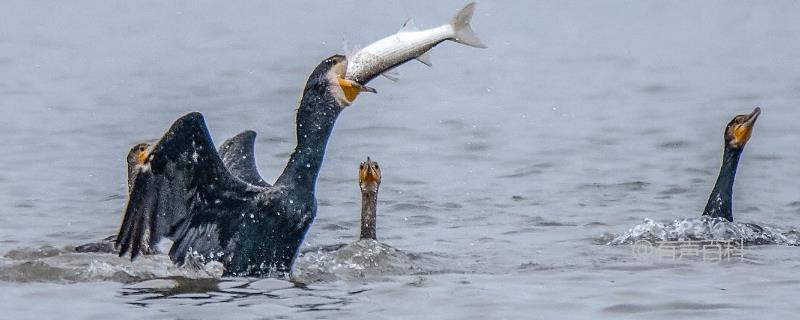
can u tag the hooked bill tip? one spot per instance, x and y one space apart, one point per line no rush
369 89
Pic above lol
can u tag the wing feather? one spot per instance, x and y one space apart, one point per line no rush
238 155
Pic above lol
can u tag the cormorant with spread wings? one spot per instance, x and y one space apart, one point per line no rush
183 190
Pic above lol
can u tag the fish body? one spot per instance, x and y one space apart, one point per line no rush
409 43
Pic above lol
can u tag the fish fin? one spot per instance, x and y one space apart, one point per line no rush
391 75
409 26
425 58
463 32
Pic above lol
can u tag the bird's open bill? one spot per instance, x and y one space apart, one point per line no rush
351 89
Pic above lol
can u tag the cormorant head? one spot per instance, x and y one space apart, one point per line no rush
345 91
138 154
740 128
369 176
136 157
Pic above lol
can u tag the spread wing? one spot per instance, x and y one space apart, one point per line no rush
238 155
182 181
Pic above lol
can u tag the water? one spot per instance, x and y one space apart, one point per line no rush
505 171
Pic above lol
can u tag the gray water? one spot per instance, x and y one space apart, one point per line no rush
506 171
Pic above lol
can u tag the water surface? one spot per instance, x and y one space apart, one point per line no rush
504 169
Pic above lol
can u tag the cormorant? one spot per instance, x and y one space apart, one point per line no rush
737 133
369 180
135 158
184 192
238 155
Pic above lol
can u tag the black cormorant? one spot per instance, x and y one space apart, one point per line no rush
184 192
737 133
237 154
369 180
136 157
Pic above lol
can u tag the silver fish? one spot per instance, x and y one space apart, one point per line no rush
409 43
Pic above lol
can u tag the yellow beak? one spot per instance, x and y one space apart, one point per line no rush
351 89
742 132
141 156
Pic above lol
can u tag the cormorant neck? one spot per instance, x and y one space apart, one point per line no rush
369 204
315 120
720 203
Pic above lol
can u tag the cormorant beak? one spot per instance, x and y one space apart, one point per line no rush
141 156
368 174
351 89
740 132
371 174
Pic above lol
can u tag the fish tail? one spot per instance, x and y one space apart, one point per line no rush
463 32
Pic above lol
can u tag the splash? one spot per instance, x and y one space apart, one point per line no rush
359 260
704 228
64 265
